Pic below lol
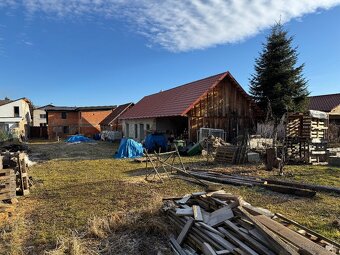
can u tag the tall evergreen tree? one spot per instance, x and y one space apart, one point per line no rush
278 83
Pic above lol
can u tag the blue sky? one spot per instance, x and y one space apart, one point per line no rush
104 52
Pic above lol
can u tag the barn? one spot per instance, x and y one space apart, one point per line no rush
217 102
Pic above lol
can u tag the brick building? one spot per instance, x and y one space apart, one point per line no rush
65 121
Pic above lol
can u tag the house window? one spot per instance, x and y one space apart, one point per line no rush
136 131
65 129
63 115
147 126
16 111
42 116
141 131
43 124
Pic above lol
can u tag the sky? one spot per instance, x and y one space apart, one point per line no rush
107 52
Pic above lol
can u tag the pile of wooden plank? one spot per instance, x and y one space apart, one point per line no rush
306 137
221 223
277 186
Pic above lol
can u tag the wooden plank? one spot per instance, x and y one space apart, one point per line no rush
237 242
261 249
292 237
308 230
175 245
197 213
220 240
185 231
219 216
184 199
207 227
276 243
184 212
207 249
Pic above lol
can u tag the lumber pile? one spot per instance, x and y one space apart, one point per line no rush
221 223
14 180
237 180
306 135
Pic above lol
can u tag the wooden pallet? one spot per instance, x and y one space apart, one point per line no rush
225 154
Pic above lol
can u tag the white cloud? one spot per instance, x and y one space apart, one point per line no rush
182 25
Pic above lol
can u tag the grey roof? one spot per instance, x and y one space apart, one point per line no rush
5 101
77 109
324 103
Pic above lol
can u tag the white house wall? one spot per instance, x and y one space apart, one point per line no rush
131 131
17 125
36 117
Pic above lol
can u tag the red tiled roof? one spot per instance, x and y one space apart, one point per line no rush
324 103
115 114
176 101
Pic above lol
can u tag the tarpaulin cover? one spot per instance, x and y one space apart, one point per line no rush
78 139
129 148
155 141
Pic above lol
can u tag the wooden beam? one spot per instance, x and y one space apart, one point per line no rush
185 230
291 236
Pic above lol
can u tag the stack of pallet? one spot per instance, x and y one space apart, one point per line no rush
14 180
306 135
7 182
221 223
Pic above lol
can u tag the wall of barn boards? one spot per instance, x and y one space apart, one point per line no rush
223 107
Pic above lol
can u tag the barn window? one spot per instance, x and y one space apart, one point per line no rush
66 129
136 131
127 127
16 111
63 115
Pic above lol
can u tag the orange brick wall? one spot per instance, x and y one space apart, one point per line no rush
56 124
85 122
89 122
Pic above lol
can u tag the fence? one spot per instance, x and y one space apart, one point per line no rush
205 132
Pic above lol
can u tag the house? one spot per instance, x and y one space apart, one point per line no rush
327 103
112 122
40 116
216 102
64 121
15 116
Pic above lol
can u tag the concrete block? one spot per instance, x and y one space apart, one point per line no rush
253 157
334 161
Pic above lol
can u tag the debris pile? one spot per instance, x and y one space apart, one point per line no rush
221 223
14 180
110 135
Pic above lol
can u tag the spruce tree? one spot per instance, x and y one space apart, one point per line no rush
278 83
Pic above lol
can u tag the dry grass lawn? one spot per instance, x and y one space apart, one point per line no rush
86 202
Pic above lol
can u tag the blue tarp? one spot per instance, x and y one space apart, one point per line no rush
129 148
155 141
78 139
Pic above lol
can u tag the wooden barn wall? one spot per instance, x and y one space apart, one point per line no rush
224 107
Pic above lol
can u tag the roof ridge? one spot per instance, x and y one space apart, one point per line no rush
219 74
325 95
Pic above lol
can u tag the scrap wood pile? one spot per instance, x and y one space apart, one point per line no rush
286 187
233 154
14 180
221 223
224 152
